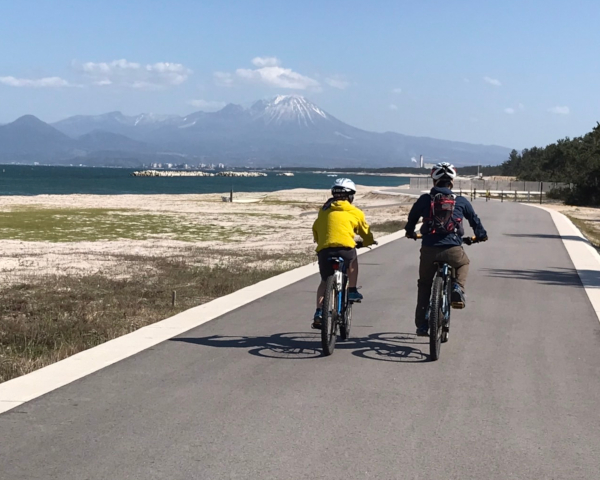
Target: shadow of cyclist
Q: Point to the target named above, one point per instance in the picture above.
(393, 347)
(389, 347)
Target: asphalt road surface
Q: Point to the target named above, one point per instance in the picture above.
(515, 394)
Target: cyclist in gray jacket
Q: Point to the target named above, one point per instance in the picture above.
(442, 240)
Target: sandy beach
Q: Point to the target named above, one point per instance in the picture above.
(109, 234)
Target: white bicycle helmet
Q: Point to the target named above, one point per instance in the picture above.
(343, 186)
(443, 170)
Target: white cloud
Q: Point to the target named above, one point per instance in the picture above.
(207, 104)
(277, 77)
(269, 73)
(492, 81)
(397, 90)
(393, 107)
(337, 82)
(512, 111)
(135, 75)
(46, 82)
(560, 110)
(266, 61)
(223, 79)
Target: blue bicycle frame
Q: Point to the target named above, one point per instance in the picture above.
(339, 265)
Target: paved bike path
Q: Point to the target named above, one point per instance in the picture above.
(514, 395)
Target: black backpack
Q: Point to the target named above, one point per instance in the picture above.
(441, 218)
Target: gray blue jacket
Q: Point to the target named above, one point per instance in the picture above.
(462, 209)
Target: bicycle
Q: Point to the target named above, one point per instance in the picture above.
(337, 308)
(438, 313)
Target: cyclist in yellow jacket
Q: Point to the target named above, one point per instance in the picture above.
(333, 231)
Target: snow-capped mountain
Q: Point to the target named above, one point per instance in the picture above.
(284, 130)
(288, 110)
(280, 111)
(113, 122)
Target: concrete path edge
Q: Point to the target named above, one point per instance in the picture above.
(27, 387)
(584, 256)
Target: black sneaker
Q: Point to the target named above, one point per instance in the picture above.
(317, 319)
(457, 297)
(354, 296)
(422, 332)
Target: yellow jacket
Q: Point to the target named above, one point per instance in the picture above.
(337, 224)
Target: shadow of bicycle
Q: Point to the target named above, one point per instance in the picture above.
(387, 347)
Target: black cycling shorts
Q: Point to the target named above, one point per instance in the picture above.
(325, 266)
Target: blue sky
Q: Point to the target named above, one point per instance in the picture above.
(510, 73)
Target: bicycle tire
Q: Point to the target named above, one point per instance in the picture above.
(328, 327)
(346, 323)
(446, 326)
(436, 318)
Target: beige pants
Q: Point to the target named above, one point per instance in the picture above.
(453, 256)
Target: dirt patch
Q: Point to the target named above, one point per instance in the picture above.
(81, 235)
(587, 219)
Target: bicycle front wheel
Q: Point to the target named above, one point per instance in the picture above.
(436, 318)
(329, 324)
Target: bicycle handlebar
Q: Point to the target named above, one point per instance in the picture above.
(360, 245)
(466, 240)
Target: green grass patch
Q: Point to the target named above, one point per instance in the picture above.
(96, 224)
(391, 226)
(588, 230)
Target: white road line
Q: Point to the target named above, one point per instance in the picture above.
(584, 256)
(35, 384)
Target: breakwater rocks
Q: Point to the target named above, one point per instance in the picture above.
(241, 174)
(167, 173)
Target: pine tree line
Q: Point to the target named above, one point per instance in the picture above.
(575, 161)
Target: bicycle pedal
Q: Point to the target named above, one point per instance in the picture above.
(458, 305)
(354, 301)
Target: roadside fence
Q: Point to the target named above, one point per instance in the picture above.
(505, 190)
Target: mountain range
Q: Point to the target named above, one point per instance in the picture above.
(287, 130)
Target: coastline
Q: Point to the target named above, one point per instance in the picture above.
(19, 180)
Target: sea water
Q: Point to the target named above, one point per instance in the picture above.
(38, 180)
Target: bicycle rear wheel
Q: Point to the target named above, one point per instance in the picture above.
(329, 324)
(346, 323)
(436, 318)
(446, 312)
